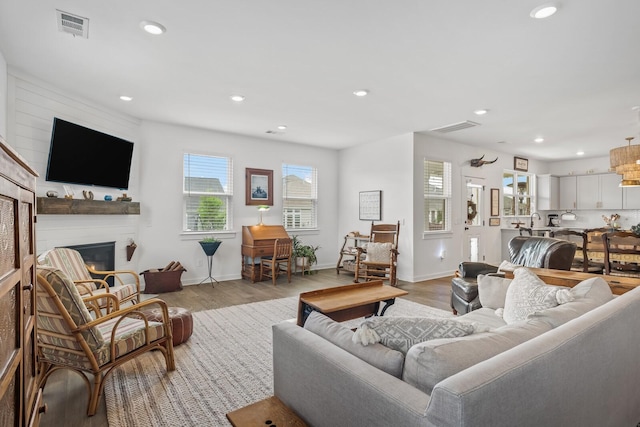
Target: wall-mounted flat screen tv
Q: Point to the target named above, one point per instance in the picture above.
(79, 155)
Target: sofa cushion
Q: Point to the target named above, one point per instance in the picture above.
(585, 296)
(527, 294)
(383, 358)
(484, 316)
(428, 363)
(492, 290)
(401, 333)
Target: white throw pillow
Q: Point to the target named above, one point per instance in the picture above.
(401, 333)
(528, 294)
(492, 290)
(379, 252)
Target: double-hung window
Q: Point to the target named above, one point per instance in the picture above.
(437, 195)
(207, 190)
(299, 197)
(518, 192)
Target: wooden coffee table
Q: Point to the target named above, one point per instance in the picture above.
(348, 302)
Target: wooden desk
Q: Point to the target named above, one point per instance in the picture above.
(619, 285)
(267, 412)
(258, 241)
(348, 302)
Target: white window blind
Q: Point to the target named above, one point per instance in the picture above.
(299, 197)
(207, 190)
(437, 195)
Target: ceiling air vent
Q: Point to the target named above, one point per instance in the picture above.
(455, 127)
(73, 24)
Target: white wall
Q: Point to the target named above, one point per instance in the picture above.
(160, 238)
(380, 165)
(3, 96)
(32, 105)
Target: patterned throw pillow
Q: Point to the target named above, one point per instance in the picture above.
(379, 252)
(528, 294)
(401, 333)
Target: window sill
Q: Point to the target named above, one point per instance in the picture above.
(199, 235)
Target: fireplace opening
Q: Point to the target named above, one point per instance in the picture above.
(100, 256)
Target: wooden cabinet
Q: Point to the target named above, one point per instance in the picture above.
(547, 193)
(598, 191)
(20, 396)
(568, 192)
(349, 253)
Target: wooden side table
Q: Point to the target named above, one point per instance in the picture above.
(268, 412)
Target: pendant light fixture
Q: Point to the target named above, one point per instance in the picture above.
(626, 162)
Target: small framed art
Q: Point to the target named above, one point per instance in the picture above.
(521, 164)
(370, 205)
(493, 222)
(495, 202)
(259, 187)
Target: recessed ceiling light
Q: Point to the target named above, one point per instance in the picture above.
(237, 98)
(539, 139)
(153, 27)
(580, 153)
(126, 98)
(481, 112)
(544, 11)
(361, 92)
(282, 127)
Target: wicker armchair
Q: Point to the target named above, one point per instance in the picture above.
(71, 263)
(69, 338)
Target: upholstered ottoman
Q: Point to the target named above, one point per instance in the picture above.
(181, 321)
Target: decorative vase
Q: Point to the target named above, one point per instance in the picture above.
(210, 248)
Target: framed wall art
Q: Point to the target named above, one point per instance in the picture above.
(495, 202)
(259, 187)
(370, 205)
(520, 164)
(494, 222)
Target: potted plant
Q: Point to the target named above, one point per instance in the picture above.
(304, 255)
(210, 245)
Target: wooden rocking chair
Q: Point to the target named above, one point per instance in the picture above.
(378, 259)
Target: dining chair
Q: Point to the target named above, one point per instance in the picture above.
(621, 253)
(581, 261)
(272, 266)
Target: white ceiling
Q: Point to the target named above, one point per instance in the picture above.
(572, 78)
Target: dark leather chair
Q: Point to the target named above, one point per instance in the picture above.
(536, 252)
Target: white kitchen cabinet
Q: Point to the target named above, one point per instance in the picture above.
(598, 191)
(631, 198)
(568, 192)
(547, 193)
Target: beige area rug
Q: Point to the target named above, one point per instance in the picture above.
(225, 365)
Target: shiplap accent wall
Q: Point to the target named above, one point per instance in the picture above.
(32, 105)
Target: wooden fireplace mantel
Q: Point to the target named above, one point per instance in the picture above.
(61, 206)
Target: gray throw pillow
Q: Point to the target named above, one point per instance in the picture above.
(492, 290)
(401, 333)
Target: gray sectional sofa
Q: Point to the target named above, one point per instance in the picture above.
(576, 364)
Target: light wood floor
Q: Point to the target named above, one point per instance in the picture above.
(66, 394)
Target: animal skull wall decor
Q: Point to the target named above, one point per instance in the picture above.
(476, 163)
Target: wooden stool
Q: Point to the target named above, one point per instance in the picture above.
(181, 322)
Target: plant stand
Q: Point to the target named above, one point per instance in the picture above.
(210, 278)
(209, 249)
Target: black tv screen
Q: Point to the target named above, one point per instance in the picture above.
(79, 155)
